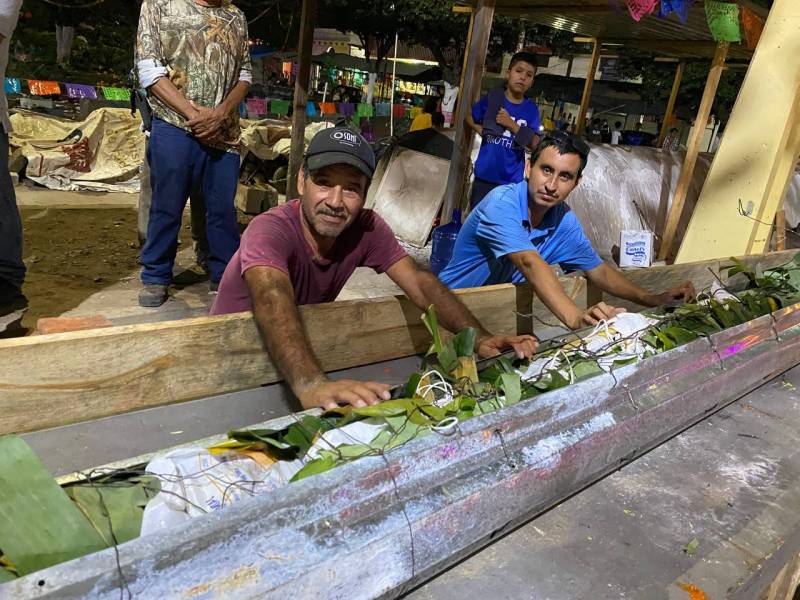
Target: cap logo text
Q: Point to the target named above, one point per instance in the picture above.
(346, 137)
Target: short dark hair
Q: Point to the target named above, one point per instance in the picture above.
(527, 57)
(437, 119)
(565, 144)
(430, 105)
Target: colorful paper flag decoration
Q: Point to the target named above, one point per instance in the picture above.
(327, 108)
(12, 85)
(43, 88)
(383, 109)
(399, 111)
(753, 27)
(257, 106)
(117, 93)
(679, 7)
(311, 109)
(77, 90)
(364, 110)
(723, 21)
(347, 109)
(640, 8)
(279, 107)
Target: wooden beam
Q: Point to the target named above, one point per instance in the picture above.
(462, 145)
(587, 88)
(464, 63)
(53, 380)
(756, 159)
(301, 84)
(673, 97)
(780, 230)
(692, 151)
(463, 10)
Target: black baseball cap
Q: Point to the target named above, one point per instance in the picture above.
(339, 145)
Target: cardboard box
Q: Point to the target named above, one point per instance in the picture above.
(253, 200)
(636, 248)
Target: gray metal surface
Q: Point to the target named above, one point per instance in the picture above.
(732, 482)
(102, 441)
(379, 525)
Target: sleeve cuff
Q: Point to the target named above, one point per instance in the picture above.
(150, 70)
(246, 76)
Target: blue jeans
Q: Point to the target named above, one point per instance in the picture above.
(178, 164)
(12, 269)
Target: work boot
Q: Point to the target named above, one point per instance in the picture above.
(153, 295)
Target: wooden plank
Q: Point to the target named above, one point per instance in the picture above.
(65, 378)
(673, 98)
(692, 151)
(462, 144)
(468, 45)
(587, 88)
(701, 274)
(301, 95)
(53, 380)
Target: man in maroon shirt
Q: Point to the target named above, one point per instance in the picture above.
(304, 251)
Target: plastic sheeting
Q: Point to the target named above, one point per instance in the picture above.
(627, 187)
(101, 153)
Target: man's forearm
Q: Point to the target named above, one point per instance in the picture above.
(615, 283)
(168, 93)
(547, 287)
(279, 323)
(451, 312)
(235, 97)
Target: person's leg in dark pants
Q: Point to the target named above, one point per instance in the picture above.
(175, 159)
(198, 220)
(480, 187)
(12, 269)
(220, 176)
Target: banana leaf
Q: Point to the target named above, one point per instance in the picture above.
(314, 467)
(39, 525)
(510, 384)
(6, 575)
(116, 506)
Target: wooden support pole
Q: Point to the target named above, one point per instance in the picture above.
(476, 60)
(756, 159)
(301, 95)
(673, 97)
(587, 88)
(464, 64)
(693, 150)
(780, 230)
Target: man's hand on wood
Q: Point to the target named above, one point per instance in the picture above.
(523, 345)
(684, 292)
(594, 314)
(328, 394)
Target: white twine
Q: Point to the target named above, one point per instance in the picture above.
(441, 385)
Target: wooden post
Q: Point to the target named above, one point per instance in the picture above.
(673, 97)
(301, 95)
(464, 63)
(780, 230)
(580, 126)
(476, 59)
(693, 150)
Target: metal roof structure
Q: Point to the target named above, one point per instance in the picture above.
(609, 21)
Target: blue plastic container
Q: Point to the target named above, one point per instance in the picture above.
(442, 242)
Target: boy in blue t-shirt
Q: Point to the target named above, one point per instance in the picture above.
(508, 124)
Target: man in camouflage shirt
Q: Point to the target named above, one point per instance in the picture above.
(193, 58)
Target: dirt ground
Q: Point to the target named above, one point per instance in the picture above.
(73, 253)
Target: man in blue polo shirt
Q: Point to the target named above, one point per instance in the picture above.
(520, 229)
